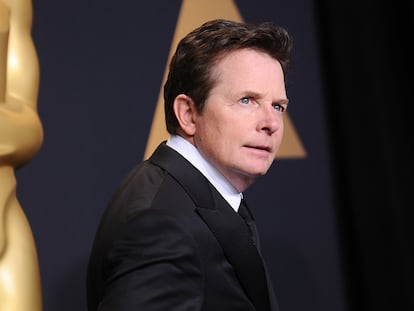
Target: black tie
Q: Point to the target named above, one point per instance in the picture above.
(245, 213)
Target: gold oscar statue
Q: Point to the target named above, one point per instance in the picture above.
(21, 136)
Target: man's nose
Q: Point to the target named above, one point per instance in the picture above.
(270, 119)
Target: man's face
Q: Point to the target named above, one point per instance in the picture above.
(240, 128)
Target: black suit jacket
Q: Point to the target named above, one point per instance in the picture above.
(169, 241)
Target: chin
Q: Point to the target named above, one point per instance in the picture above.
(259, 171)
(255, 174)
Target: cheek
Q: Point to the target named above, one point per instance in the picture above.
(214, 141)
(216, 132)
(207, 137)
(213, 129)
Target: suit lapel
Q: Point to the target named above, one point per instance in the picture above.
(227, 226)
(232, 234)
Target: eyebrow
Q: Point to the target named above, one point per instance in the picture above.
(283, 101)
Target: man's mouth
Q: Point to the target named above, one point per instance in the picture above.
(262, 148)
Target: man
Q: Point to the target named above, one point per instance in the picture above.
(171, 237)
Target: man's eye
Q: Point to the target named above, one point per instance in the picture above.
(245, 100)
(278, 107)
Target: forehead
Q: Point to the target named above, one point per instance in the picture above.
(248, 68)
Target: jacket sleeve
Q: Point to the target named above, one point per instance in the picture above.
(153, 265)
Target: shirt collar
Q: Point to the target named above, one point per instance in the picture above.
(191, 153)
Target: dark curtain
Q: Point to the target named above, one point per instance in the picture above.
(367, 58)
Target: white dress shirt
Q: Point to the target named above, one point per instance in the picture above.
(191, 153)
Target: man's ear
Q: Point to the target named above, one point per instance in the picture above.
(184, 109)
